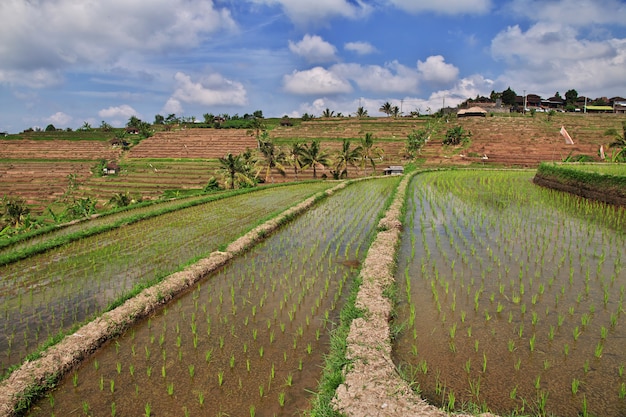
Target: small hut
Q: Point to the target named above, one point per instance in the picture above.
(111, 169)
(394, 170)
(472, 111)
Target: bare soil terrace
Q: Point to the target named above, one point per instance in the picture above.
(37, 168)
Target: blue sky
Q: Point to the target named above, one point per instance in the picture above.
(67, 62)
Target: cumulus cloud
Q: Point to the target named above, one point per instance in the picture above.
(361, 48)
(172, 106)
(319, 11)
(116, 112)
(574, 12)
(317, 80)
(449, 7)
(562, 59)
(213, 89)
(59, 119)
(391, 78)
(41, 37)
(436, 70)
(314, 49)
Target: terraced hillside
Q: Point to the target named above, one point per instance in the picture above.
(37, 166)
(527, 141)
(194, 143)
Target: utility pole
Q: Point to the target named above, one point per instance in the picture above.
(524, 111)
(401, 104)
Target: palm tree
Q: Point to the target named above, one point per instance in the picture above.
(369, 152)
(386, 108)
(328, 113)
(619, 141)
(314, 156)
(346, 157)
(235, 169)
(395, 111)
(294, 156)
(361, 112)
(272, 157)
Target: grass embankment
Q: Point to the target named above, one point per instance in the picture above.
(583, 182)
(40, 240)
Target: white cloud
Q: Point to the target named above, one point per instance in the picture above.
(305, 12)
(361, 48)
(392, 78)
(572, 12)
(550, 57)
(41, 37)
(210, 90)
(124, 111)
(436, 70)
(316, 81)
(450, 7)
(314, 49)
(172, 106)
(59, 119)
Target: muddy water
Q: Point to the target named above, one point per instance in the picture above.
(248, 340)
(515, 298)
(50, 292)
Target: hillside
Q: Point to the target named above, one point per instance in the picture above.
(38, 166)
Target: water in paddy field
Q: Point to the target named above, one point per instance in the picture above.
(512, 296)
(51, 292)
(248, 340)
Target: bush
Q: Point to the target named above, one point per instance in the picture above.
(456, 136)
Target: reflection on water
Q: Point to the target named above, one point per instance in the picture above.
(512, 300)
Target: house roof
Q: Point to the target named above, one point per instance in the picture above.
(472, 111)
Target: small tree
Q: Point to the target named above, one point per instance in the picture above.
(508, 97)
(415, 141)
(51, 128)
(15, 211)
(456, 136)
(361, 112)
(619, 142)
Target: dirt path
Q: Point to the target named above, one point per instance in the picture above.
(372, 386)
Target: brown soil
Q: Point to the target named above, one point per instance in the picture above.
(615, 197)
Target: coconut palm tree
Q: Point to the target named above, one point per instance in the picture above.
(294, 157)
(271, 157)
(618, 142)
(346, 157)
(386, 108)
(235, 170)
(361, 112)
(369, 152)
(328, 113)
(314, 157)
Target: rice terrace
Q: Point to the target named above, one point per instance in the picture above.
(268, 267)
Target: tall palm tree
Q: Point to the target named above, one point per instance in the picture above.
(618, 142)
(386, 108)
(294, 157)
(271, 157)
(346, 157)
(369, 152)
(235, 170)
(361, 112)
(314, 157)
(395, 111)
